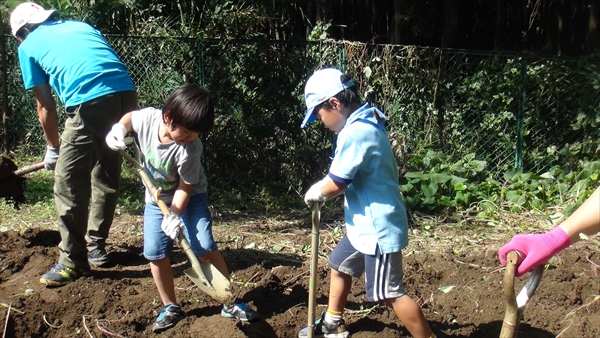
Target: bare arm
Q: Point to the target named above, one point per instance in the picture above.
(47, 114)
(586, 219)
(181, 197)
(126, 121)
(333, 188)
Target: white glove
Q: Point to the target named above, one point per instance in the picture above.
(51, 157)
(171, 225)
(314, 195)
(116, 137)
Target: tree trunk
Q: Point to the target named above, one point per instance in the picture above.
(501, 33)
(449, 35)
(592, 33)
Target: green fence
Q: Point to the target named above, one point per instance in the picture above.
(511, 110)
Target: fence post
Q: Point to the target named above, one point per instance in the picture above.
(201, 78)
(520, 114)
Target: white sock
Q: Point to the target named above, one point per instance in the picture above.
(331, 318)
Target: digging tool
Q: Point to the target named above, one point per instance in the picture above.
(314, 264)
(204, 275)
(29, 169)
(516, 305)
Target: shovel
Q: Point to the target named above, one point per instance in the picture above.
(314, 265)
(204, 275)
(516, 305)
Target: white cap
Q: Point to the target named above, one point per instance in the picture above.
(322, 85)
(28, 12)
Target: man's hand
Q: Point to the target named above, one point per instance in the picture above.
(171, 225)
(314, 195)
(51, 157)
(538, 249)
(116, 137)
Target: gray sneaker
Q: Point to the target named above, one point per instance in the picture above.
(98, 257)
(168, 317)
(239, 310)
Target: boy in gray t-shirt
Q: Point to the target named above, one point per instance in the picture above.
(172, 156)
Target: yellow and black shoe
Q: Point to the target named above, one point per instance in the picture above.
(60, 275)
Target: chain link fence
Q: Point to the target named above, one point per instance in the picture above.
(511, 110)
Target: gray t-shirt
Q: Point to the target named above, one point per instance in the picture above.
(167, 163)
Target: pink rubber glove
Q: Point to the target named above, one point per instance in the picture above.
(538, 249)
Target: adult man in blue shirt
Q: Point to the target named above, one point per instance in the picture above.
(74, 60)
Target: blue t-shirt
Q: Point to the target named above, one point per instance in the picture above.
(375, 214)
(75, 59)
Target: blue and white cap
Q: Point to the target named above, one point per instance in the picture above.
(322, 85)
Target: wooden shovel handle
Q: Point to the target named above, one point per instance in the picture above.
(314, 264)
(515, 305)
(28, 169)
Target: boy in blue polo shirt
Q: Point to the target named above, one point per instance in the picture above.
(364, 170)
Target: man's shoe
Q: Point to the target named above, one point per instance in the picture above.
(98, 257)
(60, 275)
(168, 317)
(239, 310)
(324, 329)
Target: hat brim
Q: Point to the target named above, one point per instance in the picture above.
(308, 117)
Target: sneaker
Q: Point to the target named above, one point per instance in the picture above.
(168, 317)
(98, 257)
(60, 275)
(324, 329)
(239, 310)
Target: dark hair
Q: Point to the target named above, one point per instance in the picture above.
(191, 107)
(24, 31)
(347, 96)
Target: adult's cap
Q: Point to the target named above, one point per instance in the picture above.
(28, 12)
(322, 85)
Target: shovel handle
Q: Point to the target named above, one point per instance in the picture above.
(515, 305)
(28, 169)
(314, 255)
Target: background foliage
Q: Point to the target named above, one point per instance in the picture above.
(471, 129)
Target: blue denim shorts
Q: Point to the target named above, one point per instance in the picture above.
(198, 229)
(383, 272)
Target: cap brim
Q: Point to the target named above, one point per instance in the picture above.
(308, 118)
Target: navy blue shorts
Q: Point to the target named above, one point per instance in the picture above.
(383, 272)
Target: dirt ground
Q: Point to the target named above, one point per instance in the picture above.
(269, 259)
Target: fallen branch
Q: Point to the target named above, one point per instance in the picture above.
(6, 321)
(362, 313)
(52, 326)
(12, 308)
(293, 279)
(572, 313)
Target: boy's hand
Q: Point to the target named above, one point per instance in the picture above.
(171, 225)
(314, 195)
(116, 137)
(538, 249)
(51, 157)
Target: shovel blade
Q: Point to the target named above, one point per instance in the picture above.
(215, 285)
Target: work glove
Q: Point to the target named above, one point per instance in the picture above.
(171, 225)
(538, 249)
(314, 195)
(51, 157)
(116, 137)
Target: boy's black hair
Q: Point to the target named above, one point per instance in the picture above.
(191, 107)
(24, 31)
(347, 96)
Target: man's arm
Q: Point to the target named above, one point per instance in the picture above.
(47, 114)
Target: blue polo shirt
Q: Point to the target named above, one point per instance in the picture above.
(75, 59)
(374, 211)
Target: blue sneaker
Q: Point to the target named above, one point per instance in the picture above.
(326, 330)
(60, 275)
(239, 310)
(168, 317)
